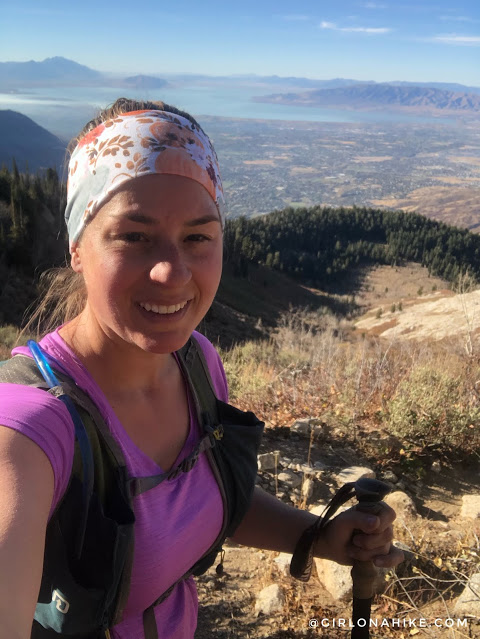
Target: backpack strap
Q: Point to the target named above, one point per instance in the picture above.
(195, 368)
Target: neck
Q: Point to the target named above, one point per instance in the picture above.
(117, 366)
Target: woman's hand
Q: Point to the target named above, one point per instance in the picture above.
(354, 535)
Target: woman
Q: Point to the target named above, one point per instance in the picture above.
(145, 217)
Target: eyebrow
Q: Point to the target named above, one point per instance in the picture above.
(205, 219)
(141, 218)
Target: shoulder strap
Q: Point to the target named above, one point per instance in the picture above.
(21, 370)
(195, 367)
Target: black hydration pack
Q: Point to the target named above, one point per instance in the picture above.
(90, 536)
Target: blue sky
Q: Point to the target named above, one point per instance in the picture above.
(423, 40)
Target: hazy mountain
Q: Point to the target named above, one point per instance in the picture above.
(50, 72)
(143, 82)
(59, 71)
(293, 81)
(381, 96)
(30, 144)
(306, 83)
(447, 86)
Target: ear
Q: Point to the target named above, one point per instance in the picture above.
(75, 258)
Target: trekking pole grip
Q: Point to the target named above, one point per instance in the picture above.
(369, 493)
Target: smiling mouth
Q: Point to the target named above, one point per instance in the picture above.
(163, 310)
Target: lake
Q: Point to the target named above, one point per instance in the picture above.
(65, 110)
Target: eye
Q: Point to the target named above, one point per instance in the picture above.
(133, 237)
(198, 237)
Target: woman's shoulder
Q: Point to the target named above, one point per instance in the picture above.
(44, 419)
(215, 366)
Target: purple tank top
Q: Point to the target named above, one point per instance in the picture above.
(176, 522)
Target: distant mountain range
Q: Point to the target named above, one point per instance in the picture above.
(382, 96)
(144, 82)
(59, 71)
(50, 72)
(31, 145)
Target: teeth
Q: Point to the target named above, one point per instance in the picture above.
(162, 310)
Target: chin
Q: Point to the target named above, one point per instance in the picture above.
(162, 344)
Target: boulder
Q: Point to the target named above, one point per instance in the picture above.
(401, 503)
(269, 600)
(335, 578)
(353, 473)
(282, 562)
(470, 506)
(290, 478)
(305, 427)
(267, 461)
(469, 601)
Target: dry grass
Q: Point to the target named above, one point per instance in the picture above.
(309, 369)
(455, 205)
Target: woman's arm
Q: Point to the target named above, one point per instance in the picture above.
(272, 525)
(26, 493)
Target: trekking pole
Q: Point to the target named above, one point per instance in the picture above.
(369, 493)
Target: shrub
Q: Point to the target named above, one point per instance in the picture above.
(8, 335)
(432, 408)
(249, 370)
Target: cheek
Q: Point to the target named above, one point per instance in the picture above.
(103, 278)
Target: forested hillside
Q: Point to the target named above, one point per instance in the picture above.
(321, 244)
(317, 246)
(31, 235)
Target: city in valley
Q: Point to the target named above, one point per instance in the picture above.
(430, 167)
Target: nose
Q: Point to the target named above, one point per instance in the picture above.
(170, 267)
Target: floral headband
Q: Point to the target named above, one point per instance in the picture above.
(132, 145)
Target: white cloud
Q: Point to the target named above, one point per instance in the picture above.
(368, 30)
(328, 25)
(374, 5)
(459, 40)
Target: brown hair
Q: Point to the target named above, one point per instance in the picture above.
(63, 295)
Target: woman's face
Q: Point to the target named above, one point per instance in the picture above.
(151, 259)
